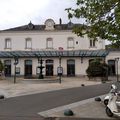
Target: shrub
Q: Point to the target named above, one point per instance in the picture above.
(97, 68)
(1, 66)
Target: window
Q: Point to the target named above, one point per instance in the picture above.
(111, 68)
(8, 43)
(92, 43)
(70, 43)
(90, 61)
(49, 43)
(76, 42)
(28, 44)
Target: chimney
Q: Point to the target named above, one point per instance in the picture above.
(60, 21)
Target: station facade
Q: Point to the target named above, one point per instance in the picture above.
(56, 45)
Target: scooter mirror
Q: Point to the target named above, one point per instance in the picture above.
(113, 87)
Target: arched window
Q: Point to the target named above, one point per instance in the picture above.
(7, 43)
(90, 60)
(49, 61)
(7, 69)
(49, 67)
(71, 67)
(111, 69)
(70, 43)
(49, 43)
(28, 68)
(28, 43)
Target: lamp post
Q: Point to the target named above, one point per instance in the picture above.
(40, 61)
(15, 63)
(116, 61)
(60, 70)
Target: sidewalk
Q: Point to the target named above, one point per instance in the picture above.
(24, 87)
(84, 110)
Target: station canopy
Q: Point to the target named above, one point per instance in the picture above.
(53, 53)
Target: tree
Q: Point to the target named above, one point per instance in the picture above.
(113, 45)
(102, 19)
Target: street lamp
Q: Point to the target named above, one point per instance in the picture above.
(116, 61)
(40, 61)
(15, 63)
(60, 70)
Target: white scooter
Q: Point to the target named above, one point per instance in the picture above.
(112, 107)
(106, 99)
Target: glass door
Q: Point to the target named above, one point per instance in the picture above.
(28, 68)
(71, 68)
(49, 67)
(7, 70)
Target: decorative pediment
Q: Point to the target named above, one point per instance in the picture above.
(49, 24)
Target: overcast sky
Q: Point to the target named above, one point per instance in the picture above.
(15, 13)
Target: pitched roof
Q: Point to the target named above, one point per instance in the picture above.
(32, 27)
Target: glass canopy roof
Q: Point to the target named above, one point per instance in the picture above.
(52, 53)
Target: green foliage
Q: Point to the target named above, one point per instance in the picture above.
(113, 45)
(1, 66)
(102, 18)
(97, 68)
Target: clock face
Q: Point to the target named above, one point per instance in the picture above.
(49, 23)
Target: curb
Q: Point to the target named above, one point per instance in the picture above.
(47, 113)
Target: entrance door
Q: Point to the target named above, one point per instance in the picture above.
(111, 69)
(49, 67)
(28, 68)
(7, 70)
(71, 68)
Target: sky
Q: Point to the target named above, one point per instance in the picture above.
(15, 13)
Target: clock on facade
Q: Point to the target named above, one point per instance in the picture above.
(49, 23)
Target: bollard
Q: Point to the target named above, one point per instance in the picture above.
(82, 85)
(98, 99)
(2, 97)
(68, 112)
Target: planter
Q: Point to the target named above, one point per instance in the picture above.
(104, 79)
(100, 79)
(2, 78)
(95, 78)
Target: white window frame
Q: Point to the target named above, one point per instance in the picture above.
(70, 43)
(92, 43)
(28, 43)
(8, 43)
(49, 43)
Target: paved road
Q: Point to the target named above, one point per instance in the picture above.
(28, 106)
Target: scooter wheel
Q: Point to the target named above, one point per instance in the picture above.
(106, 102)
(108, 112)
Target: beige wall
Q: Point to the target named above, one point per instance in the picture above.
(39, 40)
(80, 68)
(112, 55)
(39, 43)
